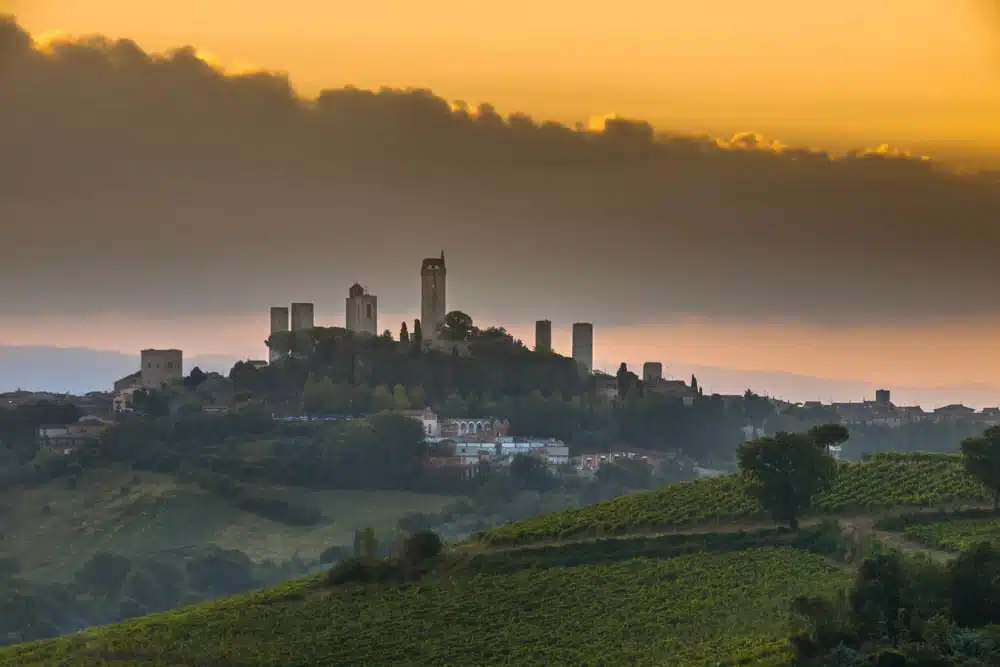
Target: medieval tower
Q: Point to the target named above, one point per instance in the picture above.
(432, 296)
(583, 346)
(362, 311)
(279, 324)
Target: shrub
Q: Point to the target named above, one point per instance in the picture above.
(420, 547)
(363, 571)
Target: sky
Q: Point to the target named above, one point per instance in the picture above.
(151, 200)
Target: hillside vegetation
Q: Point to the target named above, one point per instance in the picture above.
(596, 604)
(135, 512)
(880, 482)
(706, 595)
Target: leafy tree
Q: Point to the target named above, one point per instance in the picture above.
(151, 402)
(416, 397)
(829, 435)
(381, 399)
(104, 573)
(878, 597)
(400, 399)
(195, 379)
(784, 472)
(531, 472)
(369, 544)
(418, 334)
(981, 456)
(975, 586)
(420, 547)
(404, 334)
(457, 326)
(694, 385)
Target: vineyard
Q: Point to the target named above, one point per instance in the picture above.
(692, 610)
(881, 482)
(956, 535)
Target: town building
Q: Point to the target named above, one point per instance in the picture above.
(361, 311)
(583, 346)
(433, 297)
(159, 368)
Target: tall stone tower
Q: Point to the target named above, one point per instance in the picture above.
(652, 372)
(303, 319)
(543, 336)
(362, 311)
(583, 346)
(279, 324)
(432, 296)
(302, 316)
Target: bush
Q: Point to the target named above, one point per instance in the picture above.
(420, 547)
(363, 571)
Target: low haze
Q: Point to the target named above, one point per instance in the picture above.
(151, 200)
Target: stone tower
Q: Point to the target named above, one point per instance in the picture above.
(543, 336)
(583, 346)
(160, 367)
(432, 296)
(362, 311)
(652, 372)
(279, 324)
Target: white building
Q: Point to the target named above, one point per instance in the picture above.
(428, 420)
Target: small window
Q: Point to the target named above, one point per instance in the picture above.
(369, 311)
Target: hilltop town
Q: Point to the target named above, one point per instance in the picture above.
(460, 440)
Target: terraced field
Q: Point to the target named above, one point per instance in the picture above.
(690, 610)
(883, 482)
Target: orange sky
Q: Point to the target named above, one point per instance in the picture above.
(830, 73)
(953, 353)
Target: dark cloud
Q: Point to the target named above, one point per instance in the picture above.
(157, 184)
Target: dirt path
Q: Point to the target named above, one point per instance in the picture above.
(861, 526)
(864, 526)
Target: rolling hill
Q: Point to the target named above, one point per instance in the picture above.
(693, 577)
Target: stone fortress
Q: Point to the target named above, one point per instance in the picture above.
(361, 316)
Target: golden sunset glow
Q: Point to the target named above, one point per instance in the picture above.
(846, 74)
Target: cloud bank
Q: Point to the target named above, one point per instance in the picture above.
(156, 184)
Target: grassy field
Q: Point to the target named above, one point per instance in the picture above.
(131, 513)
(690, 610)
(881, 483)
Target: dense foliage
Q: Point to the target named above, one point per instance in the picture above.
(783, 473)
(906, 611)
(109, 587)
(881, 482)
(690, 610)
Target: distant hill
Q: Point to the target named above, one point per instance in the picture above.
(79, 370)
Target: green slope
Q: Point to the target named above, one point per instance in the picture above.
(887, 481)
(699, 609)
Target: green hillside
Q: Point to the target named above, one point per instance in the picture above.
(553, 608)
(710, 595)
(881, 482)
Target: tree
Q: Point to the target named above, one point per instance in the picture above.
(829, 435)
(457, 326)
(381, 399)
(417, 398)
(404, 334)
(418, 334)
(194, 380)
(784, 472)
(400, 399)
(694, 385)
(369, 544)
(981, 456)
(531, 472)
